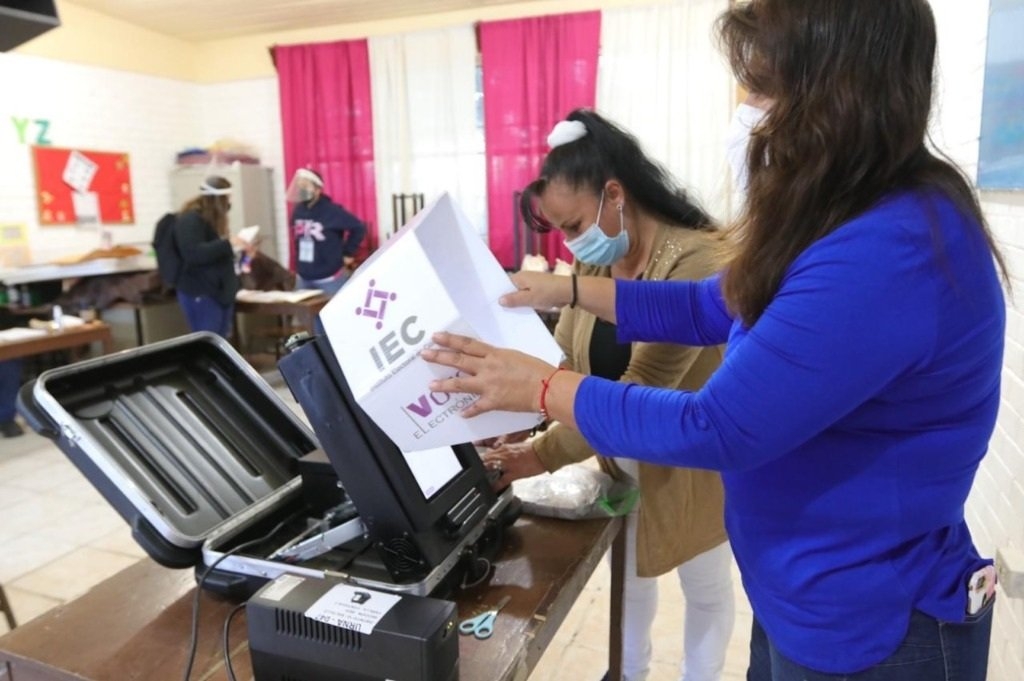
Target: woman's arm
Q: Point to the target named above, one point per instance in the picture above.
(353, 229)
(833, 337)
(546, 291)
(687, 312)
(666, 365)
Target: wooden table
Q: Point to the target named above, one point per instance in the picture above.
(305, 310)
(135, 625)
(86, 334)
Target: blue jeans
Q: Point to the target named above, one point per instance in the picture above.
(931, 651)
(10, 383)
(205, 314)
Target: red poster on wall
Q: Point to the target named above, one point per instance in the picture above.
(83, 187)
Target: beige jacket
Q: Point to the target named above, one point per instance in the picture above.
(680, 512)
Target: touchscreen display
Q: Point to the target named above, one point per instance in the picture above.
(433, 468)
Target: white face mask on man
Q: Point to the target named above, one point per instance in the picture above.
(737, 141)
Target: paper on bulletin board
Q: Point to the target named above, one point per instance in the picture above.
(434, 275)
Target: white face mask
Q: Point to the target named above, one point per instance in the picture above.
(737, 140)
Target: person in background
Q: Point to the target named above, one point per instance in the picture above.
(326, 236)
(207, 282)
(865, 320)
(10, 383)
(624, 218)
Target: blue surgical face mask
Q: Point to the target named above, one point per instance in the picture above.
(594, 247)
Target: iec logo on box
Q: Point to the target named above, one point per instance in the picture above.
(392, 347)
(376, 296)
(434, 275)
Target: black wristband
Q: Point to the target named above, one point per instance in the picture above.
(572, 303)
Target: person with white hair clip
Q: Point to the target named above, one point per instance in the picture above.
(623, 217)
(207, 283)
(326, 235)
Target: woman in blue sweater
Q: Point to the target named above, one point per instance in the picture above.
(864, 318)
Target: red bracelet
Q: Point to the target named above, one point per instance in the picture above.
(544, 385)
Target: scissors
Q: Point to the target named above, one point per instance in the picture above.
(482, 626)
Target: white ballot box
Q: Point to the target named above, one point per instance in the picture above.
(434, 275)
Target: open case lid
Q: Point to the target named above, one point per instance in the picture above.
(179, 436)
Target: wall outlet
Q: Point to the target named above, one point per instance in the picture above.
(1010, 568)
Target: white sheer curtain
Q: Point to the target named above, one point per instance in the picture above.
(425, 128)
(662, 77)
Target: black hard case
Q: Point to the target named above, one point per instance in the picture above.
(198, 454)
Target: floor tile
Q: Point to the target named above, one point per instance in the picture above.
(11, 495)
(38, 511)
(84, 526)
(580, 663)
(44, 478)
(120, 541)
(75, 573)
(78, 488)
(28, 552)
(28, 443)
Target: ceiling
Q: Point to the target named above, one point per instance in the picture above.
(201, 20)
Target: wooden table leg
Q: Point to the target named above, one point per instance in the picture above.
(615, 606)
(107, 342)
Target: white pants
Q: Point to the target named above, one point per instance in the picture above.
(706, 581)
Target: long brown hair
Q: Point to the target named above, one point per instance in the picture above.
(851, 91)
(213, 209)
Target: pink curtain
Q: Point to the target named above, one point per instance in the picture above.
(327, 123)
(535, 71)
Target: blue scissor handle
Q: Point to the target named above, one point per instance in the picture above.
(481, 626)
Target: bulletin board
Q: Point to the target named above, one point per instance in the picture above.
(76, 186)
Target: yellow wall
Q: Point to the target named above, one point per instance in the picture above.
(92, 38)
(88, 37)
(248, 56)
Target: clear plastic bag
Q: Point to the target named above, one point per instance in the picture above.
(575, 492)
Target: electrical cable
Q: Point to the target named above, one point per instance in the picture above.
(194, 636)
(227, 643)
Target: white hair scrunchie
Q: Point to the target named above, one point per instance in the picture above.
(207, 189)
(565, 132)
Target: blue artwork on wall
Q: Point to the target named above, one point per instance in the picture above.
(1001, 159)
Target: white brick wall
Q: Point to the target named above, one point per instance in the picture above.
(149, 117)
(995, 510)
(248, 111)
(91, 108)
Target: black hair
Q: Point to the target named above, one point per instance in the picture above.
(606, 152)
